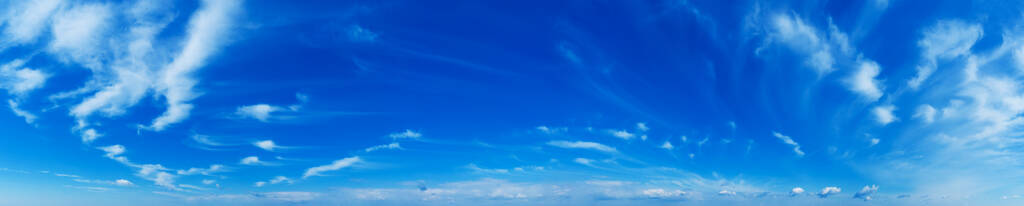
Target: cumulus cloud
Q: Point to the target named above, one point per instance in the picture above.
(883, 114)
(863, 81)
(788, 140)
(336, 165)
(642, 126)
(406, 134)
(796, 191)
(267, 145)
(925, 113)
(89, 135)
(393, 145)
(252, 160)
(581, 145)
(667, 145)
(866, 192)
(828, 191)
(945, 40)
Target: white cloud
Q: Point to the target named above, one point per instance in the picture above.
(883, 114)
(805, 39)
(583, 161)
(875, 141)
(289, 196)
(866, 192)
(77, 33)
(259, 112)
(552, 130)
(667, 145)
(726, 192)
(123, 182)
(828, 191)
(406, 134)
(18, 80)
(29, 117)
(926, 113)
(152, 172)
(336, 165)
(478, 169)
(208, 30)
(207, 182)
(267, 145)
(25, 20)
(788, 140)
(642, 126)
(796, 191)
(280, 179)
(863, 81)
(581, 145)
(252, 160)
(259, 184)
(89, 135)
(663, 194)
(204, 171)
(945, 40)
(623, 134)
(393, 145)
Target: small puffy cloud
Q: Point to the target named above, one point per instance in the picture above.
(583, 161)
(581, 145)
(406, 134)
(393, 145)
(78, 32)
(123, 182)
(113, 150)
(207, 182)
(336, 165)
(883, 114)
(259, 184)
(280, 179)
(89, 135)
(796, 191)
(828, 191)
(642, 126)
(252, 160)
(866, 192)
(925, 113)
(667, 145)
(267, 145)
(788, 140)
(875, 141)
(726, 193)
(863, 81)
(623, 134)
(259, 112)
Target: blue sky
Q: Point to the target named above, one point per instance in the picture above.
(578, 102)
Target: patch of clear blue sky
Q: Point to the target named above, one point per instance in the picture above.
(488, 102)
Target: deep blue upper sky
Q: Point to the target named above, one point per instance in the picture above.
(579, 102)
